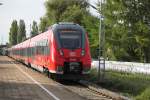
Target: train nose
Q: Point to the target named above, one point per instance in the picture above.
(72, 53)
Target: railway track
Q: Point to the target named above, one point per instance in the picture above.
(101, 91)
(91, 91)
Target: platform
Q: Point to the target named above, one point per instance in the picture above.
(18, 82)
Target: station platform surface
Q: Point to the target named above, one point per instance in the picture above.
(18, 82)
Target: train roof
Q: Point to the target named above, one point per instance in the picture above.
(66, 25)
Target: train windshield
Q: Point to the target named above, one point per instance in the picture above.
(70, 39)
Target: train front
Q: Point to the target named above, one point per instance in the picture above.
(72, 55)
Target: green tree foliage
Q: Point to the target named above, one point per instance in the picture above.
(138, 18)
(34, 30)
(145, 95)
(56, 8)
(21, 31)
(115, 30)
(91, 24)
(63, 10)
(13, 33)
(73, 14)
(44, 23)
(127, 30)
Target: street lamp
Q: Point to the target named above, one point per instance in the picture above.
(101, 54)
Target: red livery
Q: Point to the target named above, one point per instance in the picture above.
(62, 51)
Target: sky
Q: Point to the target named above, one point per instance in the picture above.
(28, 10)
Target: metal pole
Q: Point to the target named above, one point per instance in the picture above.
(104, 55)
(101, 49)
(100, 34)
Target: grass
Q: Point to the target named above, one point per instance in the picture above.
(135, 86)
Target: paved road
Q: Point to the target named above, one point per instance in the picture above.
(18, 82)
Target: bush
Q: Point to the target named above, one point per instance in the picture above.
(144, 95)
(135, 85)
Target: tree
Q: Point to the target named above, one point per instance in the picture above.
(138, 17)
(44, 23)
(13, 33)
(91, 25)
(127, 30)
(115, 30)
(73, 14)
(55, 8)
(21, 31)
(60, 10)
(34, 30)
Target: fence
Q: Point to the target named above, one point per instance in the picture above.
(131, 67)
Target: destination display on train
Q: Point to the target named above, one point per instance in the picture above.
(68, 31)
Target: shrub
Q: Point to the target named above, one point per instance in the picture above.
(144, 95)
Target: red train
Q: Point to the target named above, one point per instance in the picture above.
(62, 51)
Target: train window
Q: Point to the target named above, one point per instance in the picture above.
(21, 52)
(47, 48)
(26, 52)
(29, 51)
(37, 48)
(42, 47)
(70, 39)
(34, 50)
(31, 48)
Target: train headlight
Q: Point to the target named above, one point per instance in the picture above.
(83, 52)
(61, 52)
